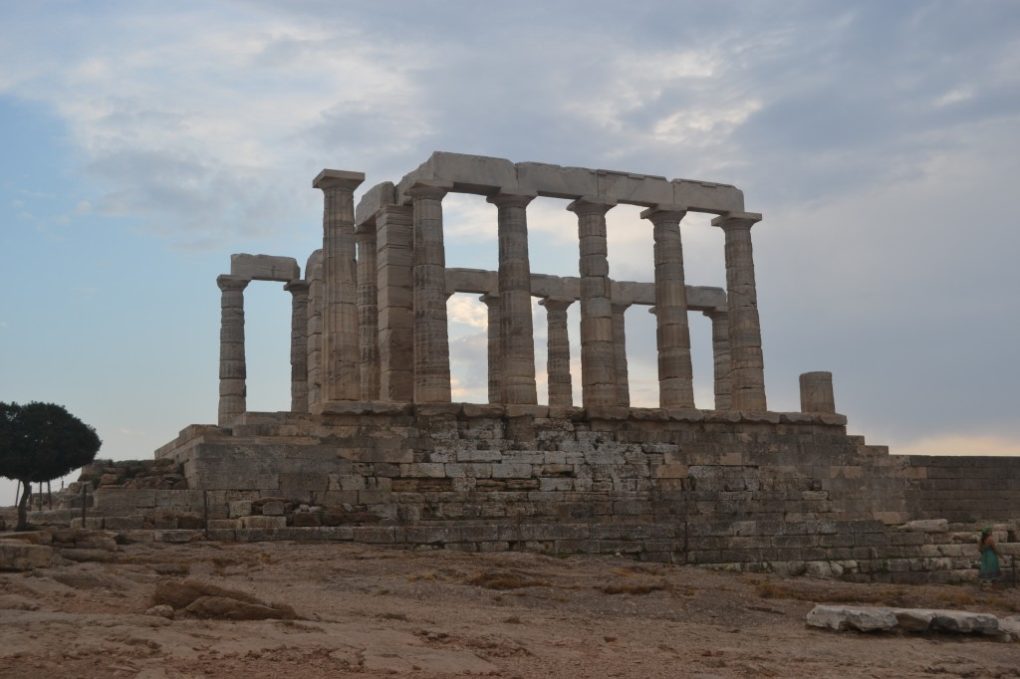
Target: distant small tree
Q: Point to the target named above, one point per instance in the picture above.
(41, 442)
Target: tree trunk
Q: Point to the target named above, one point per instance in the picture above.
(23, 508)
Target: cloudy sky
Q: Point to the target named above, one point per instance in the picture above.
(141, 143)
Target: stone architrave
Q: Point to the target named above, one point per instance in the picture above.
(720, 356)
(747, 367)
(233, 371)
(316, 295)
(368, 312)
(431, 342)
(598, 374)
(298, 345)
(340, 340)
(620, 355)
(394, 252)
(517, 339)
(495, 362)
(558, 362)
(672, 333)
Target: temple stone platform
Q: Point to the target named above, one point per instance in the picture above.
(373, 449)
(765, 491)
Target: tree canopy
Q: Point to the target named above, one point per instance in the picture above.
(41, 442)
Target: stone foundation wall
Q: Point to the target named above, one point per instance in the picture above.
(774, 491)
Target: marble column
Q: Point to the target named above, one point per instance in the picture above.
(316, 295)
(431, 342)
(495, 353)
(598, 374)
(298, 345)
(394, 247)
(620, 355)
(341, 353)
(747, 368)
(816, 393)
(672, 333)
(368, 312)
(721, 356)
(232, 366)
(517, 338)
(558, 362)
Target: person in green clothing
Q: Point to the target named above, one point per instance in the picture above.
(989, 568)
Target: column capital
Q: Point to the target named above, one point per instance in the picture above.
(489, 298)
(588, 205)
(507, 199)
(555, 304)
(619, 307)
(716, 312)
(235, 283)
(434, 190)
(338, 179)
(664, 213)
(737, 220)
(297, 287)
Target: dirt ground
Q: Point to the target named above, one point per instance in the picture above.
(367, 612)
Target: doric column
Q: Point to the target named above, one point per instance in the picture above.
(672, 333)
(298, 345)
(368, 312)
(394, 247)
(316, 297)
(620, 355)
(816, 393)
(341, 354)
(516, 331)
(558, 363)
(747, 369)
(721, 356)
(598, 374)
(492, 303)
(431, 342)
(232, 367)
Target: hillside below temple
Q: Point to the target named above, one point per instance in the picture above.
(373, 449)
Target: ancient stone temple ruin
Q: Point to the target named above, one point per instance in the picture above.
(373, 449)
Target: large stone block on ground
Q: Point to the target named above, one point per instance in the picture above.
(840, 618)
(16, 555)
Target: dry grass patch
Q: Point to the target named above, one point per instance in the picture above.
(504, 580)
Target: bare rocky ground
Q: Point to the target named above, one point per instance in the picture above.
(367, 612)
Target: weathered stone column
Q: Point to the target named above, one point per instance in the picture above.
(672, 334)
(816, 393)
(747, 371)
(431, 342)
(316, 298)
(558, 362)
(620, 355)
(341, 354)
(598, 375)
(368, 312)
(232, 366)
(516, 330)
(394, 248)
(298, 345)
(495, 361)
(721, 356)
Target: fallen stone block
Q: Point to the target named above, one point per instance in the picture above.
(914, 619)
(840, 618)
(1010, 626)
(963, 622)
(16, 555)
